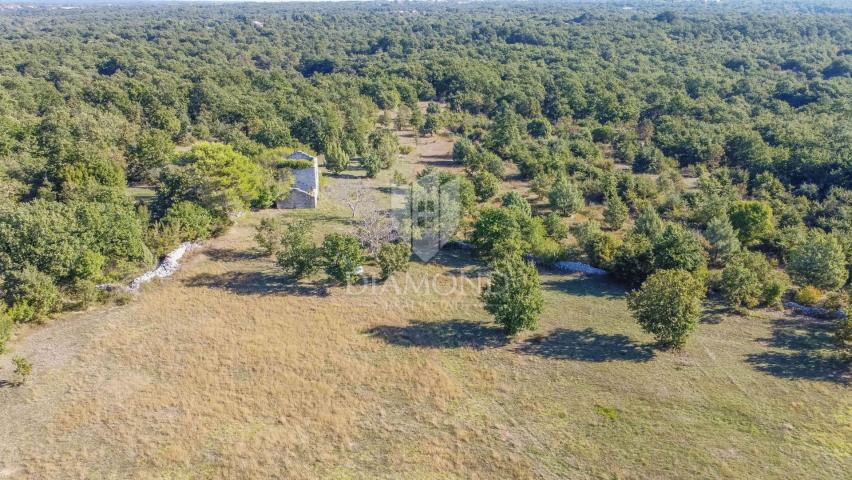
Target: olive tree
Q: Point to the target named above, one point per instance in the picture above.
(342, 256)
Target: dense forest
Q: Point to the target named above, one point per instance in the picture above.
(612, 104)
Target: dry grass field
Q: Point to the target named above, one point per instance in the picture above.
(230, 370)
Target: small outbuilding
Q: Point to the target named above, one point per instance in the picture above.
(305, 190)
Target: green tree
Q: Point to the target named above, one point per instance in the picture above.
(152, 151)
(565, 197)
(820, 262)
(268, 236)
(342, 255)
(297, 255)
(749, 280)
(216, 177)
(336, 159)
(752, 219)
(615, 213)
(393, 257)
(514, 295)
(497, 234)
(193, 222)
(723, 240)
(485, 184)
(34, 293)
(668, 305)
(516, 201)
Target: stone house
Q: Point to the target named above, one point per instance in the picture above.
(305, 190)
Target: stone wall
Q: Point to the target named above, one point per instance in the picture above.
(297, 199)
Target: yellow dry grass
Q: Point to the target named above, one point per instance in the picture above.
(229, 370)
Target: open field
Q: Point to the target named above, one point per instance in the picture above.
(230, 370)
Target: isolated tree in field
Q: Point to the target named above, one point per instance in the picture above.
(565, 197)
(393, 257)
(336, 159)
(297, 255)
(723, 240)
(616, 212)
(819, 261)
(514, 295)
(342, 255)
(752, 219)
(668, 305)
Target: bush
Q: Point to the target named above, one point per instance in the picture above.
(819, 261)
(191, 221)
(565, 197)
(668, 305)
(752, 220)
(342, 255)
(393, 257)
(485, 184)
(749, 280)
(808, 295)
(371, 163)
(556, 228)
(6, 325)
(496, 234)
(297, 256)
(723, 240)
(616, 212)
(518, 202)
(23, 369)
(268, 236)
(514, 295)
(32, 294)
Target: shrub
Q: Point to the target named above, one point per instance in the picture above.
(752, 219)
(518, 202)
(836, 301)
(496, 234)
(297, 256)
(514, 295)
(268, 236)
(723, 240)
(633, 262)
(749, 280)
(668, 305)
(84, 292)
(819, 261)
(371, 163)
(191, 221)
(565, 197)
(336, 159)
(6, 325)
(556, 228)
(808, 295)
(393, 257)
(34, 293)
(616, 212)
(342, 255)
(599, 246)
(23, 369)
(678, 248)
(485, 184)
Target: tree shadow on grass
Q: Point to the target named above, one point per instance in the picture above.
(587, 346)
(587, 286)
(258, 283)
(807, 345)
(452, 334)
(231, 255)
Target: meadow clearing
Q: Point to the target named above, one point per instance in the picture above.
(230, 370)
